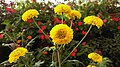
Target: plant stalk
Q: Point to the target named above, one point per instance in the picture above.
(77, 44)
(41, 30)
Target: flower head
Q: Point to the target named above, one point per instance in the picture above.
(1, 36)
(93, 20)
(62, 9)
(15, 54)
(61, 34)
(91, 66)
(31, 13)
(118, 27)
(73, 14)
(95, 57)
(116, 19)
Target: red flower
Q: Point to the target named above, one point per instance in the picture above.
(42, 8)
(105, 20)
(57, 20)
(115, 19)
(39, 22)
(73, 54)
(8, 9)
(29, 37)
(29, 20)
(83, 43)
(76, 29)
(13, 11)
(42, 37)
(43, 27)
(18, 41)
(75, 50)
(1, 36)
(99, 52)
(45, 52)
(39, 31)
(79, 23)
(118, 27)
(83, 32)
(69, 4)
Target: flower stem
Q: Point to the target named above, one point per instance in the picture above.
(62, 18)
(31, 41)
(71, 24)
(78, 44)
(58, 56)
(41, 30)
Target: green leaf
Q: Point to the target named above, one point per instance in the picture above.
(6, 22)
(104, 63)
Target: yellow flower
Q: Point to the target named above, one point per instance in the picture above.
(31, 13)
(61, 34)
(62, 9)
(93, 20)
(15, 54)
(95, 57)
(73, 14)
(91, 66)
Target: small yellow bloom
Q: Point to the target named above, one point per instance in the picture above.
(93, 20)
(15, 54)
(62, 9)
(31, 13)
(73, 14)
(91, 66)
(95, 57)
(61, 34)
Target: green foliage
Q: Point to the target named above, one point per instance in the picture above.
(104, 63)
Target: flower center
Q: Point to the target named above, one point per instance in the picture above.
(61, 34)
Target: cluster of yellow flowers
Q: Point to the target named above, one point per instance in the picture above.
(73, 14)
(31, 13)
(61, 34)
(65, 9)
(95, 57)
(93, 20)
(15, 54)
(62, 9)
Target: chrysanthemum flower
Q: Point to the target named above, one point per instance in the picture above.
(95, 57)
(61, 34)
(62, 9)
(15, 54)
(93, 20)
(31, 13)
(73, 14)
(91, 66)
